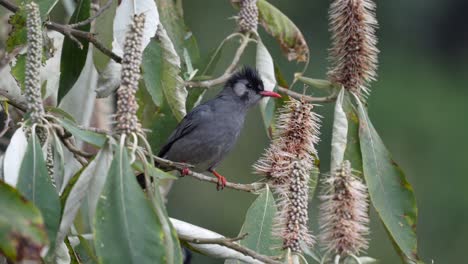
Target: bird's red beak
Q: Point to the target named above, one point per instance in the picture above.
(270, 94)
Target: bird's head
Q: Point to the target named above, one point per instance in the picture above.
(247, 86)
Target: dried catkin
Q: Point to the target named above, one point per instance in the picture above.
(353, 54)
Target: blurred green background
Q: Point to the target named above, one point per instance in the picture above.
(418, 105)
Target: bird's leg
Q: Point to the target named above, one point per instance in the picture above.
(221, 180)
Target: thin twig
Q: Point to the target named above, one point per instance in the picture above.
(228, 72)
(9, 56)
(96, 130)
(226, 242)
(6, 124)
(92, 18)
(18, 101)
(307, 98)
(70, 32)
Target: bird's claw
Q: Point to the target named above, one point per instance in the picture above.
(221, 183)
(185, 172)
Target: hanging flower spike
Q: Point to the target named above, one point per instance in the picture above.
(344, 218)
(353, 53)
(297, 131)
(248, 16)
(287, 164)
(32, 81)
(127, 106)
(291, 221)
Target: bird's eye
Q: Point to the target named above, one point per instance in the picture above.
(249, 86)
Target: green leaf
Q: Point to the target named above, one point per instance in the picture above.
(73, 58)
(22, 232)
(258, 224)
(104, 34)
(353, 148)
(96, 168)
(152, 170)
(391, 194)
(35, 184)
(127, 229)
(152, 68)
(155, 118)
(340, 133)
(163, 72)
(266, 69)
(18, 71)
(317, 83)
(289, 36)
(59, 161)
(173, 22)
(90, 137)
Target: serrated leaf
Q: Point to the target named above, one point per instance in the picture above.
(391, 194)
(289, 36)
(258, 224)
(126, 228)
(96, 168)
(340, 133)
(163, 72)
(266, 69)
(22, 231)
(104, 34)
(90, 137)
(14, 156)
(73, 58)
(36, 185)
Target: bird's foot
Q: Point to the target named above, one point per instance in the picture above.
(221, 180)
(185, 172)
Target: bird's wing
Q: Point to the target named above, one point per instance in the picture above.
(186, 126)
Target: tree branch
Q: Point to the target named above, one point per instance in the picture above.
(216, 245)
(92, 18)
(228, 72)
(252, 187)
(17, 101)
(70, 32)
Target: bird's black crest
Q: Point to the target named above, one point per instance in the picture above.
(249, 74)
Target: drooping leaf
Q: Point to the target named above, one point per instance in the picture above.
(173, 23)
(160, 119)
(258, 224)
(353, 149)
(340, 133)
(14, 156)
(36, 185)
(22, 231)
(59, 162)
(278, 25)
(126, 228)
(124, 18)
(317, 83)
(90, 137)
(163, 72)
(18, 71)
(73, 57)
(391, 194)
(96, 168)
(266, 69)
(104, 34)
(152, 170)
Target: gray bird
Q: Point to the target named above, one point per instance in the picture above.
(206, 135)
